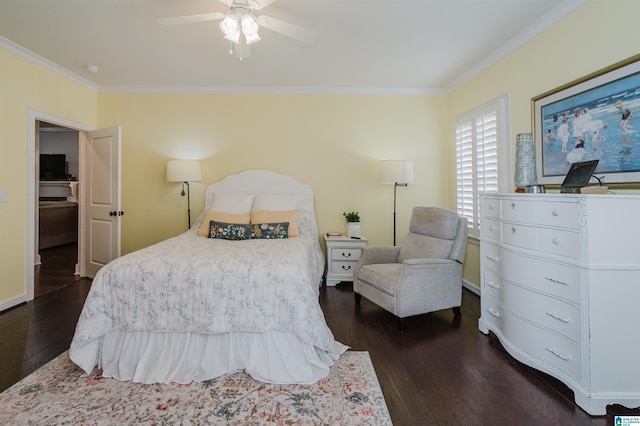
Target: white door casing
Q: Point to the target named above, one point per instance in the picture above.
(102, 195)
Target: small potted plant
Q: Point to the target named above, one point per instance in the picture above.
(354, 228)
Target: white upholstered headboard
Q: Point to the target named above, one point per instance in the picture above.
(265, 183)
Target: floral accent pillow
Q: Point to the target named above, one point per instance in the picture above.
(241, 231)
(270, 230)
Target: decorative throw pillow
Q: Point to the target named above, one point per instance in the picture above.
(269, 230)
(229, 231)
(273, 216)
(205, 226)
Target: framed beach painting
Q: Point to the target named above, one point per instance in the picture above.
(594, 118)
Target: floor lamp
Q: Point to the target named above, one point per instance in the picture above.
(398, 173)
(184, 171)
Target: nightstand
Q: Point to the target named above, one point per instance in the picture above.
(342, 255)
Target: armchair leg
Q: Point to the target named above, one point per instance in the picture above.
(456, 312)
(358, 297)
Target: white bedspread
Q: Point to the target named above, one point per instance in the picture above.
(190, 284)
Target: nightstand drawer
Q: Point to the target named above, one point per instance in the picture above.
(338, 267)
(352, 254)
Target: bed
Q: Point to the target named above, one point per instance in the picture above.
(192, 308)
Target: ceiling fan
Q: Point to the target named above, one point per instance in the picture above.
(240, 26)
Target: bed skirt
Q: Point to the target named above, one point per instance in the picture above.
(153, 357)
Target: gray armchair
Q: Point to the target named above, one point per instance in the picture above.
(424, 274)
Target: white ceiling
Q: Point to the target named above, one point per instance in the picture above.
(401, 46)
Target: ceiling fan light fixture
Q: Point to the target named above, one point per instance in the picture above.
(251, 38)
(230, 25)
(234, 37)
(249, 25)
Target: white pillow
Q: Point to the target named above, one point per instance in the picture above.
(276, 202)
(231, 203)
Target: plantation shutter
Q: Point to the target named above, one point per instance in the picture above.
(482, 158)
(464, 172)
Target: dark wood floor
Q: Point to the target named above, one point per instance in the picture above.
(56, 270)
(438, 372)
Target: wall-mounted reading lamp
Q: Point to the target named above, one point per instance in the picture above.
(184, 171)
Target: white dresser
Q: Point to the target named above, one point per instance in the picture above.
(342, 255)
(561, 289)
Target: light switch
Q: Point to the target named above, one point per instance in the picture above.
(4, 196)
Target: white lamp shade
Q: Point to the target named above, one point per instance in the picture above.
(183, 171)
(396, 171)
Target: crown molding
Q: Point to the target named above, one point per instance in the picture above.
(550, 18)
(249, 90)
(45, 63)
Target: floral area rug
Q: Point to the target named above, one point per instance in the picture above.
(59, 393)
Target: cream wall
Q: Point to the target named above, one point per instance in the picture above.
(25, 85)
(332, 142)
(598, 34)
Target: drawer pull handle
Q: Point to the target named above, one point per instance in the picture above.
(494, 312)
(346, 254)
(492, 228)
(492, 258)
(490, 206)
(555, 280)
(559, 318)
(513, 205)
(513, 229)
(555, 241)
(555, 213)
(493, 285)
(346, 267)
(558, 354)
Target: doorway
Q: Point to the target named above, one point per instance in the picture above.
(98, 196)
(57, 156)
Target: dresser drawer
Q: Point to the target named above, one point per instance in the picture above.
(563, 243)
(518, 211)
(491, 284)
(519, 235)
(490, 207)
(561, 215)
(492, 311)
(491, 229)
(553, 350)
(556, 315)
(557, 279)
(352, 254)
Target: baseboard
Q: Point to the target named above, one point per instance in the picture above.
(472, 288)
(13, 302)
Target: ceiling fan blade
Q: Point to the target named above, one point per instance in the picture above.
(303, 34)
(191, 19)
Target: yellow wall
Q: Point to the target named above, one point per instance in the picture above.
(24, 85)
(332, 142)
(598, 34)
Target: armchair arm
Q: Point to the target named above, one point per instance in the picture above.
(375, 255)
(427, 285)
(379, 254)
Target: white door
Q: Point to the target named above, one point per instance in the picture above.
(102, 194)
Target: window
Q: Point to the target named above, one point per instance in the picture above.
(483, 161)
